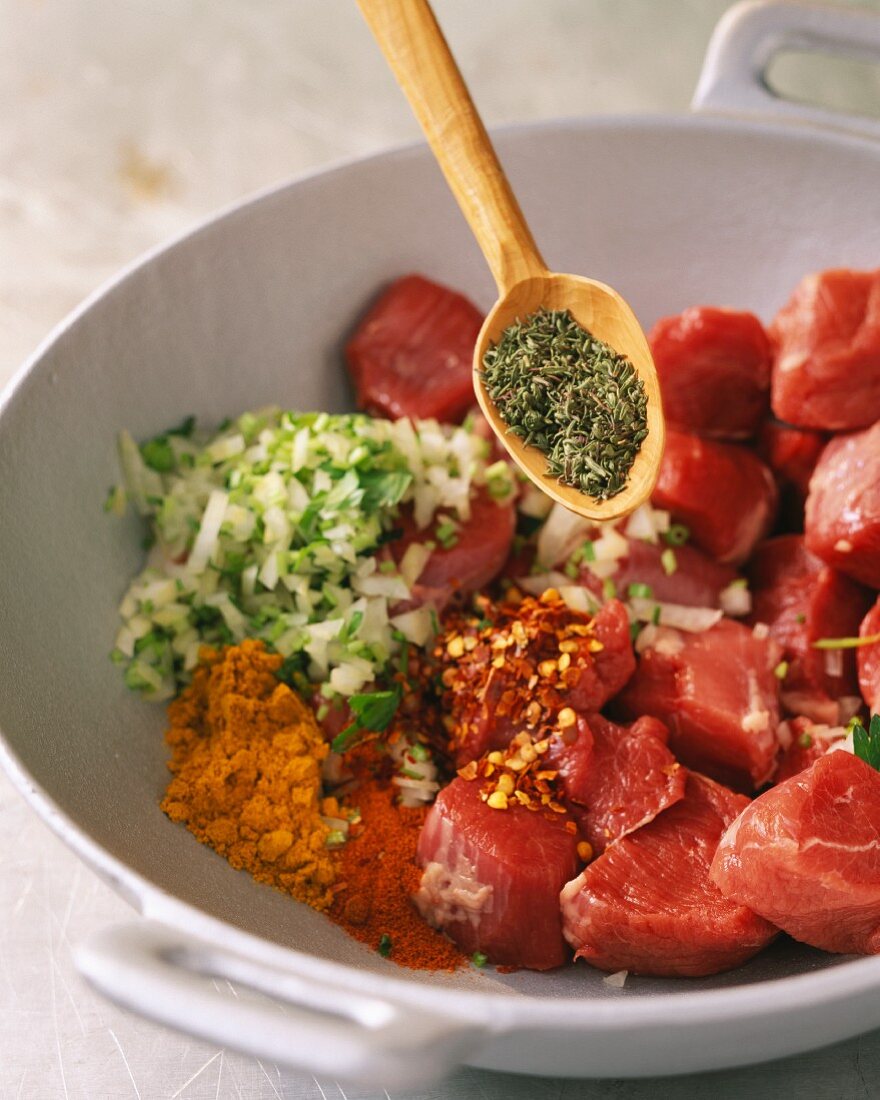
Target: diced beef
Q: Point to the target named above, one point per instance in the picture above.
(803, 600)
(511, 680)
(412, 354)
(809, 741)
(614, 779)
(868, 658)
(492, 878)
(842, 521)
(647, 905)
(717, 693)
(806, 855)
(714, 371)
(792, 454)
(723, 493)
(826, 370)
(475, 557)
(696, 580)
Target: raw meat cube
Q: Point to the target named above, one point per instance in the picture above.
(803, 600)
(717, 693)
(647, 905)
(809, 741)
(792, 454)
(412, 354)
(614, 779)
(714, 370)
(510, 680)
(842, 521)
(492, 878)
(473, 558)
(695, 581)
(826, 370)
(806, 855)
(723, 493)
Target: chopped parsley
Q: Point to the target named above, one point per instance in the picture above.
(373, 712)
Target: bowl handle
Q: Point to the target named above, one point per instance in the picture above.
(750, 34)
(172, 978)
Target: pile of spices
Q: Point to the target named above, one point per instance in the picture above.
(570, 395)
(518, 774)
(246, 758)
(378, 873)
(519, 659)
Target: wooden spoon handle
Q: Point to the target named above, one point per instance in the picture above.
(419, 57)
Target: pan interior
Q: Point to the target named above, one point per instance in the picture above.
(252, 310)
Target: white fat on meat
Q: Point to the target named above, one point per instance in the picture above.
(449, 890)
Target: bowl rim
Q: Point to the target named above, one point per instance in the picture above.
(498, 1011)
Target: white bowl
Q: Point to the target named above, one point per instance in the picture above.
(251, 309)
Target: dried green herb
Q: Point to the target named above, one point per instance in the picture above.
(570, 395)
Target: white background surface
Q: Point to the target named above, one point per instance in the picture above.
(124, 122)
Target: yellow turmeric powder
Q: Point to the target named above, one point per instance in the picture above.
(246, 759)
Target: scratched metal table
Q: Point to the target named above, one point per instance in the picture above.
(123, 124)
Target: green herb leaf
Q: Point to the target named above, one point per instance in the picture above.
(158, 455)
(479, 959)
(385, 945)
(383, 489)
(866, 742)
(373, 711)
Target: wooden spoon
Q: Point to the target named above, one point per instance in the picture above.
(416, 50)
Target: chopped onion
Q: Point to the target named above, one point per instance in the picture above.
(833, 660)
(563, 532)
(695, 620)
(735, 600)
(641, 524)
(209, 530)
(616, 980)
(848, 706)
(416, 626)
(610, 546)
(578, 598)
(761, 631)
(815, 707)
(413, 562)
(538, 583)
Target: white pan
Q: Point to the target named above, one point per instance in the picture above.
(252, 309)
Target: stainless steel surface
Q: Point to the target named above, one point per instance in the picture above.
(117, 140)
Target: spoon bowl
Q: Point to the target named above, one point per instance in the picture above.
(606, 315)
(417, 53)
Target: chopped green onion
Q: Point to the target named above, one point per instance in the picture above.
(609, 589)
(655, 615)
(335, 839)
(385, 945)
(846, 643)
(420, 752)
(479, 959)
(635, 629)
(669, 561)
(740, 582)
(805, 740)
(388, 567)
(588, 551)
(781, 670)
(676, 535)
(640, 591)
